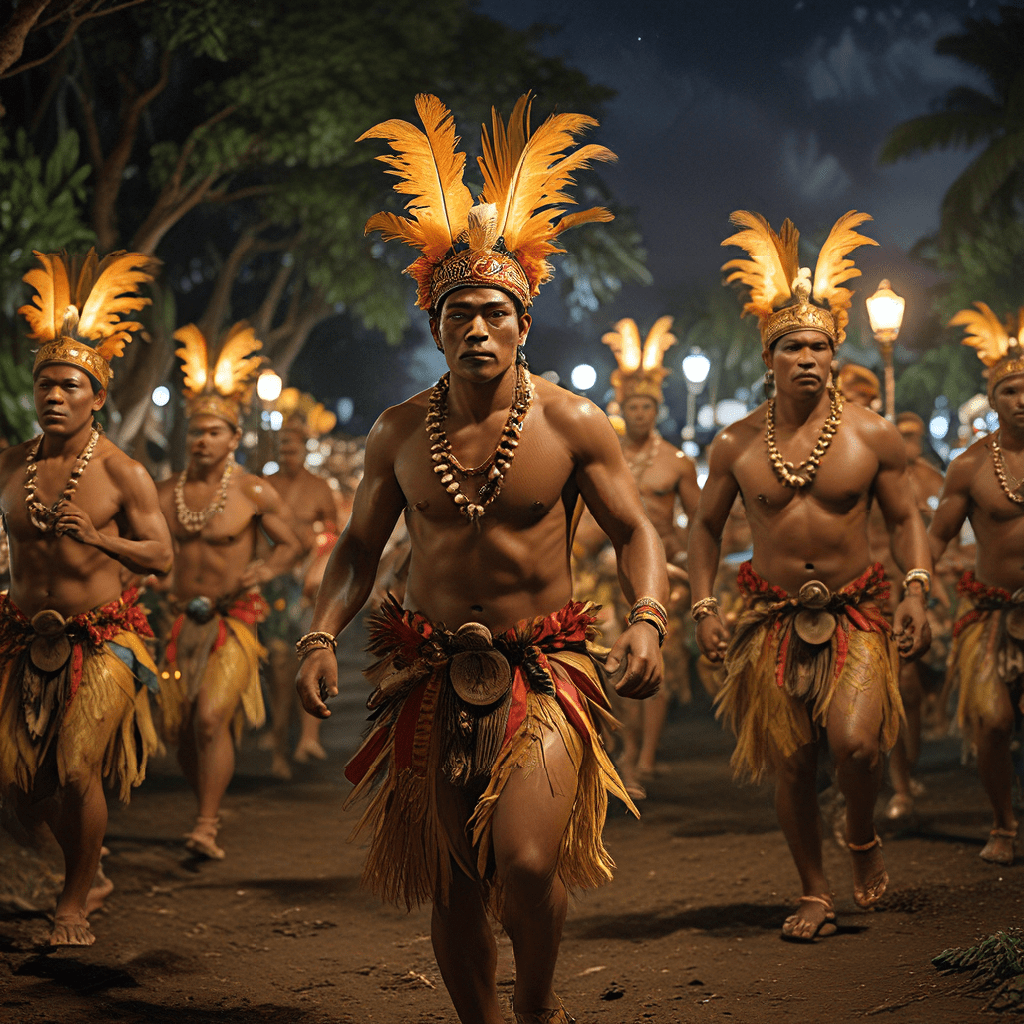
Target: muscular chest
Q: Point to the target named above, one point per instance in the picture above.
(990, 503)
(845, 475)
(224, 528)
(95, 494)
(531, 486)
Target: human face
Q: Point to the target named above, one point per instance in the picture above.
(859, 393)
(1008, 401)
(210, 440)
(801, 361)
(639, 412)
(291, 451)
(911, 439)
(64, 398)
(478, 330)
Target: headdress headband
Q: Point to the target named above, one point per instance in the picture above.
(504, 240)
(640, 370)
(999, 345)
(220, 389)
(782, 295)
(77, 309)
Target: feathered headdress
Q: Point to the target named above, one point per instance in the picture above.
(77, 309)
(504, 240)
(221, 387)
(852, 374)
(304, 414)
(640, 371)
(1000, 345)
(782, 294)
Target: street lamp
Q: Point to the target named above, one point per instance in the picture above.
(885, 311)
(268, 386)
(696, 367)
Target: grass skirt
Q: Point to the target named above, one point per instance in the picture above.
(778, 689)
(555, 688)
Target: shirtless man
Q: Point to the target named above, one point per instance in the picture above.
(663, 474)
(210, 683)
(73, 667)
(311, 507)
(987, 661)
(496, 780)
(812, 654)
(927, 483)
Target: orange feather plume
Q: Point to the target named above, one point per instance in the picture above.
(773, 265)
(984, 332)
(833, 268)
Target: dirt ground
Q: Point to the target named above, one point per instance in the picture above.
(281, 932)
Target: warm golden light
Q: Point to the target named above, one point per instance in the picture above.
(268, 386)
(885, 311)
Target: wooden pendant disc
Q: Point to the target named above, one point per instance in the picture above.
(814, 627)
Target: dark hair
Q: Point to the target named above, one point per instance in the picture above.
(93, 381)
(435, 311)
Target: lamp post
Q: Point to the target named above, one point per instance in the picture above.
(268, 388)
(696, 367)
(885, 311)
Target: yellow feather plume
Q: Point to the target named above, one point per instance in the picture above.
(833, 268)
(236, 366)
(984, 332)
(624, 341)
(430, 170)
(193, 355)
(525, 177)
(98, 292)
(659, 341)
(773, 265)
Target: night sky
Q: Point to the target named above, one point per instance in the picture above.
(775, 106)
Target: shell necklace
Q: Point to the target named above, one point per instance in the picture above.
(803, 475)
(446, 465)
(44, 518)
(195, 521)
(997, 461)
(644, 459)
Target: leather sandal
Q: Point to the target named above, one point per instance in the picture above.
(993, 858)
(867, 896)
(825, 927)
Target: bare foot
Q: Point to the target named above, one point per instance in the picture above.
(815, 915)
(265, 741)
(280, 768)
(71, 930)
(102, 887)
(901, 805)
(1001, 846)
(202, 840)
(870, 879)
(557, 1016)
(306, 749)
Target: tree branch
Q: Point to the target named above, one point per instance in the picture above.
(220, 300)
(20, 23)
(264, 317)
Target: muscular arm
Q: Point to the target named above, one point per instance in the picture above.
(705, 548)
(287, 548)
(147, 546)
(610, 492)
(352, 568)
(688, 489)
(954, 506)
(896, 495)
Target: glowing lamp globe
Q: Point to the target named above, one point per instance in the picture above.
(268, 386)
(696, 367)
(885, 311)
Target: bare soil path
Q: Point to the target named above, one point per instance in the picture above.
(281, 932)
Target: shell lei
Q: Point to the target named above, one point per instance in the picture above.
(802, 475)
(45, 518)
(446, 465)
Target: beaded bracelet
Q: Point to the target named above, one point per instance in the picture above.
(311, 641)
(923, 576)
(703, 608)
(647, 609)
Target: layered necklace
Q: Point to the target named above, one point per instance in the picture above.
(44, 517)
(195, 521)
(446, 465)
(997, 461)
(644, 458)
(804, 474)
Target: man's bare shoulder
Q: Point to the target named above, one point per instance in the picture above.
(13, 458)
(123, 470)
(257, 489)
(399, 422)
(733, 440)
(966, 466)
(572, 416)
(870, 427)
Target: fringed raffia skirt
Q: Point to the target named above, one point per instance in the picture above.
(89, 713)
(425, 736)
(220, 656)
(779, 688)
(986, 660)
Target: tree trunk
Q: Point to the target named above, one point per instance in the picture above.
(21, 22)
